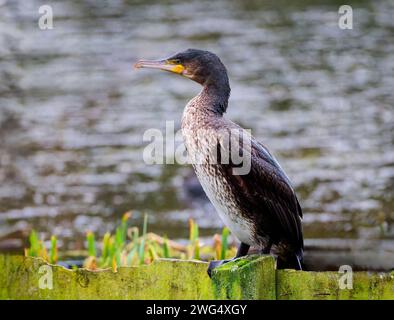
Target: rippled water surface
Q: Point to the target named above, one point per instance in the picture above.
(73, 113)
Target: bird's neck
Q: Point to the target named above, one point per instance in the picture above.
(217, 96)
(213, 98)
(208, 105)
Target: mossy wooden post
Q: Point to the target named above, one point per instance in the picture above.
(252, 277)
(295, 285)
(163, 279)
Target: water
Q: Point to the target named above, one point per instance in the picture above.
(73, 113)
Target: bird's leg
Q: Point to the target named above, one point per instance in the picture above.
(242, 251)
(267, 248)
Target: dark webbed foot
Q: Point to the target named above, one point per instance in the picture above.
(216, 263)
(242, 251)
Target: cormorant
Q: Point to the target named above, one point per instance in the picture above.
(259, 207)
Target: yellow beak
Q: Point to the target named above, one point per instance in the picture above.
(160, 64)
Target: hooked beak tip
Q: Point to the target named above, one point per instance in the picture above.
(153, 64)
(138, 65)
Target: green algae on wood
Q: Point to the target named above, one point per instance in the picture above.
(252, 277)
(296, 285)
(163, 279)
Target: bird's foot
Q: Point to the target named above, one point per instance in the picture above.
(242, 251)
(214, 264)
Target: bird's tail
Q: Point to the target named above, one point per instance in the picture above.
(291, 261)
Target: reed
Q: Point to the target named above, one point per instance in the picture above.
(130, 247)
(53, 250)
(91, 241)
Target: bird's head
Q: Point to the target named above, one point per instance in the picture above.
(201, 66)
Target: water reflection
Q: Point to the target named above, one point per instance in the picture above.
(73, 113)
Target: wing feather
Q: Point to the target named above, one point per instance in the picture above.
(265, 192)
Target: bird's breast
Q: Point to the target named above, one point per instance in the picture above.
(201, 144)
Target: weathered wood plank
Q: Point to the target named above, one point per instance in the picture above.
(253, 277)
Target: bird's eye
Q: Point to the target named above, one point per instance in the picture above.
(176, 61)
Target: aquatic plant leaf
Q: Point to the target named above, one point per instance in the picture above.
(166, 249)
(142, 244)
(152, 252)
(106, 246)
(217, 245)
(91, 244)
(53, 250)
(130, 256)
(225, 235)
(197, 249)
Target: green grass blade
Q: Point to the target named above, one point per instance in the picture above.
(166, 248)
(197, 249)
(131, 255)
(141, 253)
(225, 235)
(91, 244)
(106, 246)
(34, 244)
(152, 252)
(191, 231)
(196, 242)
(53, 250)
(196, 232)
